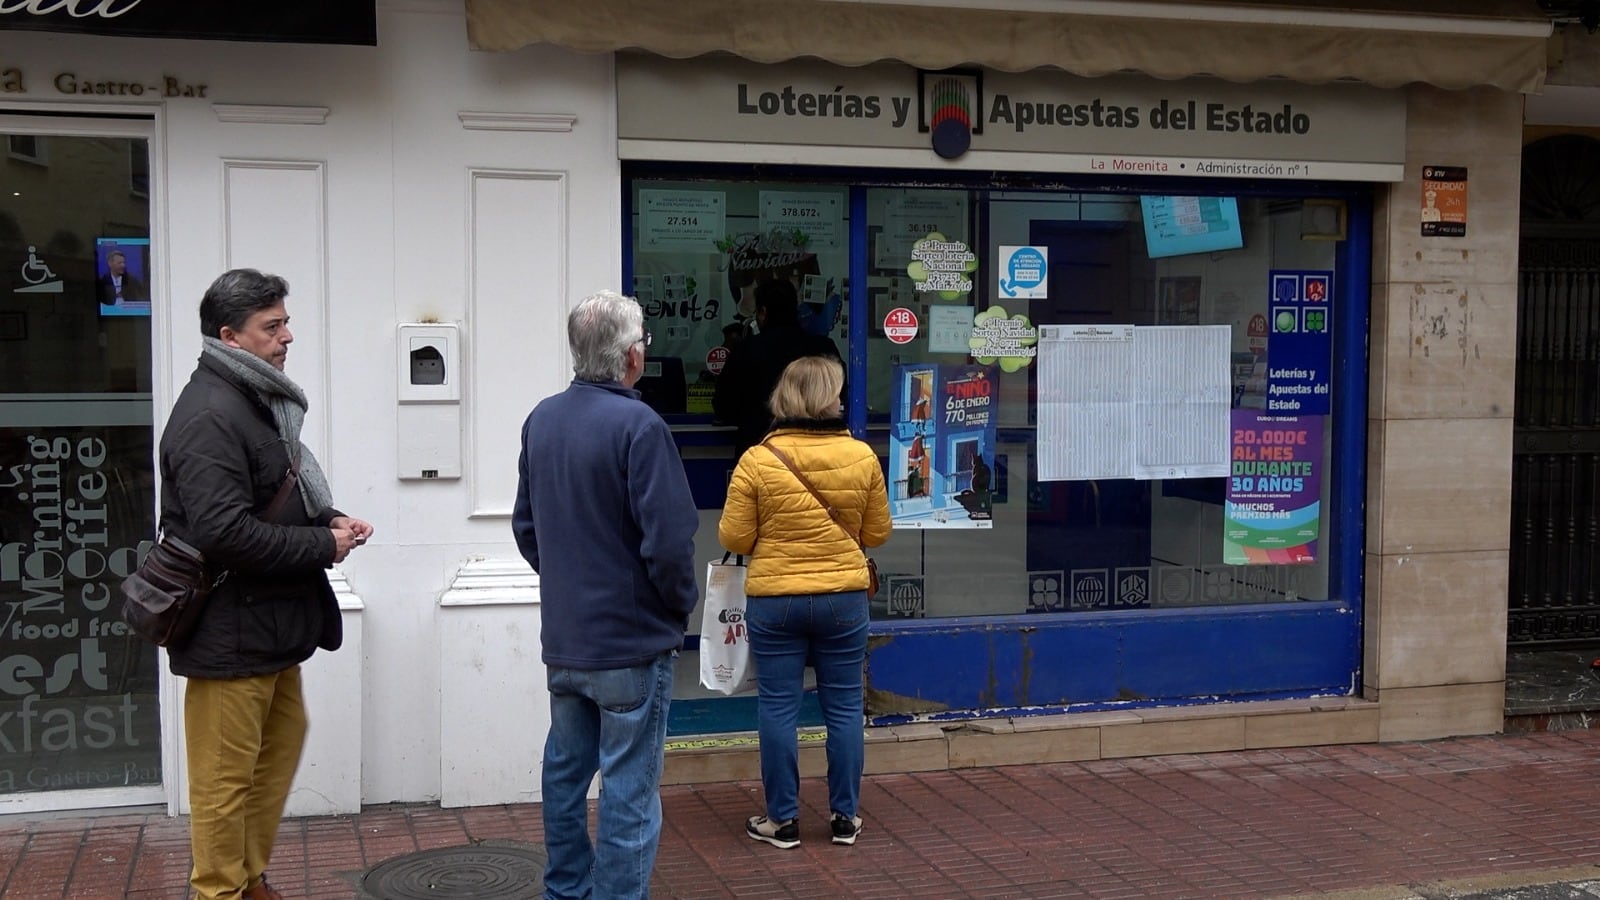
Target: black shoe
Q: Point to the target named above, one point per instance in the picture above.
(783, 836)
(845, 830)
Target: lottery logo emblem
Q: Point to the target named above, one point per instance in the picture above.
(951, 110)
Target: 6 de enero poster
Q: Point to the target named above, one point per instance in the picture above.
(1274, 505)
(941, 446)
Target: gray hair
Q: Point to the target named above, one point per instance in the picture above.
(235, 296)
(600, 330)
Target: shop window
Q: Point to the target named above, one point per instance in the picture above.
(139, 168)
(1042, 543)
(28, 148)
(699, 251)
(79, 701)
(967, 295)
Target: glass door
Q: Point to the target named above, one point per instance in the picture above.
(79, 706)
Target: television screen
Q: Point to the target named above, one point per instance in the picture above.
(122, 276)
(1174, 226)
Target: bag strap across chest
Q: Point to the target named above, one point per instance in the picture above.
(827, 507)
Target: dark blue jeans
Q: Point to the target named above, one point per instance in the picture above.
(613, 721)
(829, 633)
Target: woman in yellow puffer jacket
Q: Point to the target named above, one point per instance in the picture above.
(807, 586)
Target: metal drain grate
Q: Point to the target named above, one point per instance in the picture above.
(479, 872)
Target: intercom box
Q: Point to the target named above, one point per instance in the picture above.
(429, 363)
(429, 417)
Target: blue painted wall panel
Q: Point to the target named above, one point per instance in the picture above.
(1168, 656)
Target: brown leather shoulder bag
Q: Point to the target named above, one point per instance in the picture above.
(162, 600)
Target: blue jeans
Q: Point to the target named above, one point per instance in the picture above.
(829, 633)
(613, 720)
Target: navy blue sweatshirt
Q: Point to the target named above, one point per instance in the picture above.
(604, 515)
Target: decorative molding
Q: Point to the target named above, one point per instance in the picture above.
(251, 114)
(493, 582)
(430, 7)
(347, 597)
(509, 121)
(502, 241)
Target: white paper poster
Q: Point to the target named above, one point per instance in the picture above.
(950, 329)
(1086, 393)
(1185, 394)
(911, 215)
(681, 220)
(1117, 401)
(819, 216)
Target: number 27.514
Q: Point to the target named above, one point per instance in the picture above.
(683, 220)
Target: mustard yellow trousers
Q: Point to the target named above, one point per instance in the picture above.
(243, 737)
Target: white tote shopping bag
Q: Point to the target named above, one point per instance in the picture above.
(725, 663)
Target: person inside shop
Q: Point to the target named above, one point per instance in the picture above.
(807, 588)
(118, 284)
(755, 363)
(238, 484)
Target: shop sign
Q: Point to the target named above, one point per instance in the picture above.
(70, 83)
(280, 21)
(1444, 201)
(1274, 506)
(1037, 120)
(1300, 345)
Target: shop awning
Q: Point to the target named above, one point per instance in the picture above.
(1452, 45)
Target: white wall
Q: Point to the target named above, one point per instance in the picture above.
(389, 210)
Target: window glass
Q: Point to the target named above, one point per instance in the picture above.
(1067, 545)
(78, 701)
(1008, 541)
(700, 248)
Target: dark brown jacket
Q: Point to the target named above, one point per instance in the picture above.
(221, 463)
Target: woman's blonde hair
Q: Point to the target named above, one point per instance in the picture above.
(808, 389)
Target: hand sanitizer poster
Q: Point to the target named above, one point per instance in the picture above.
(941, 446)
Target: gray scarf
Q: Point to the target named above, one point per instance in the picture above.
(288, 405)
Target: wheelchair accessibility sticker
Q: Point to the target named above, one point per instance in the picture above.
(37, 277)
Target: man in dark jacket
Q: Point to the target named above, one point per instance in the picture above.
(226, 453)
(755, 363)
(604, 515)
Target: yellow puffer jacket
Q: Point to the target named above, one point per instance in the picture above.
(794, 548)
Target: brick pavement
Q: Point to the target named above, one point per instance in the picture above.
(1247, 824)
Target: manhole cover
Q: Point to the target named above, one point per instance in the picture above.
(480, 872)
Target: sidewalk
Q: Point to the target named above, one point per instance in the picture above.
(1402, 818)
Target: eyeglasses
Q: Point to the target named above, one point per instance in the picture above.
(646, 339)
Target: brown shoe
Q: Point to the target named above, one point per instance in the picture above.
(262, 891)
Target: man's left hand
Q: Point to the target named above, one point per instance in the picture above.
(361, 529)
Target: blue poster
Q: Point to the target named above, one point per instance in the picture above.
(941, 446)
(1299, 342)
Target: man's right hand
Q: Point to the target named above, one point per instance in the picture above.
(344, 540)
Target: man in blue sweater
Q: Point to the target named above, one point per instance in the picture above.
(604, 515)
